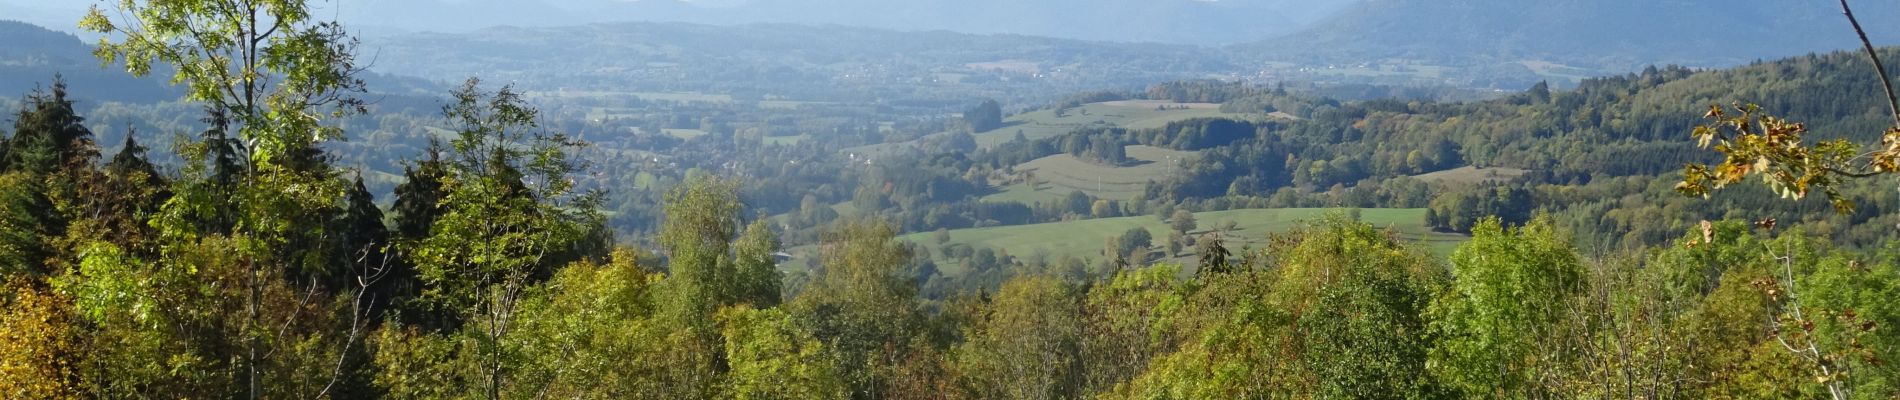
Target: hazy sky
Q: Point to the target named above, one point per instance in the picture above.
(1208, 22)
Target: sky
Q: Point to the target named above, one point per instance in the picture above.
(1202, 22)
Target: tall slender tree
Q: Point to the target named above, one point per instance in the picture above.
(277, 78)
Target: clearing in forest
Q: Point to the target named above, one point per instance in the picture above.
(1252, 227)
(1050, 178)
(1473, 175)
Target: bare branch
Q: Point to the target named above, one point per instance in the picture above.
(1893, 102)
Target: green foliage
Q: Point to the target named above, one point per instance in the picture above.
(510, 216)
(1027, 344)
(27, 222)
(772, 357)
(48, 135)
(1340, 315)
(509, 208)
(188, 327)
(1754, 143)
(1511, 296)
(757, 281)
(984, 117)
(701, 221)
(41, 346)
(1135, 318)
(260, 272)
(1357, 298)
(1183, 221)
(1135, 241)
(1213, 254)
(864, 306)
(271, 66)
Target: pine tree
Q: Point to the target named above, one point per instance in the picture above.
(48, 135)
(419, 197)
(363, 241)
(119, 202)
(27, 223)
(131, 163)
(1213, 255)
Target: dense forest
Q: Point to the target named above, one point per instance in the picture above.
(305, 242)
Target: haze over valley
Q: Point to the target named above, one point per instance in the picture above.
(938, 199)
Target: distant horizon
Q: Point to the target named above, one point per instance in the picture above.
(1192, 22)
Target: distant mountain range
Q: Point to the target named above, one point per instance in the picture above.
(33, 56)
(1610, 34)
(831, 63)
(1480, 43)
(1169, 21)
(1206, 22)
(1602, 34)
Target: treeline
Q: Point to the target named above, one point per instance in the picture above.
(1579, 150)
(491, 277)
(489, 284)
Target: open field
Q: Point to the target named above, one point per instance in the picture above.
(1162, 103)
(1023, 193)
(1016, 66)
(1058, 175)
(1470, 174)
(1086, 238)
(1132, 114)
(683, 97)
(1041, 124)
(785, 140)
(685, 134)
(1555, 70)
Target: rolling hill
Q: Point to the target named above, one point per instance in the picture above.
(1170, 21)
(33, 56)
(1615, 35)
(824, 63)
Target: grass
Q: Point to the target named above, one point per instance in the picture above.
(1473, 175)
(1555, 70)
(1023, 193)
(645, 180)
(1086, 238)
(1041, 124)
(785, 140)
(1058, 175)
(1127, 114)
(684, 134)
(684, 97)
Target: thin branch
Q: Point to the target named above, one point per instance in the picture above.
(1893, 102)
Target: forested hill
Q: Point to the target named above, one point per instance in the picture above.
(1172, 21)
(1606, 154)
(33, 55)
(820, 63)
(263, 266)
(1616, 34)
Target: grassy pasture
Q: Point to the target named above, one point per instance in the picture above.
(686, 134)
(1041, 124)
(785, 140)
(1473, 175)
(1133, 114)
(1058, 175)
(1087, 238)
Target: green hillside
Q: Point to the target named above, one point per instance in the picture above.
(1085, 238)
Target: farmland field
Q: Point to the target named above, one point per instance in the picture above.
(785, 140)
(1086, 238)
(1133, 114)
(1058, 175)
(1470, 174)
(1040, 124)
(684, 134)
